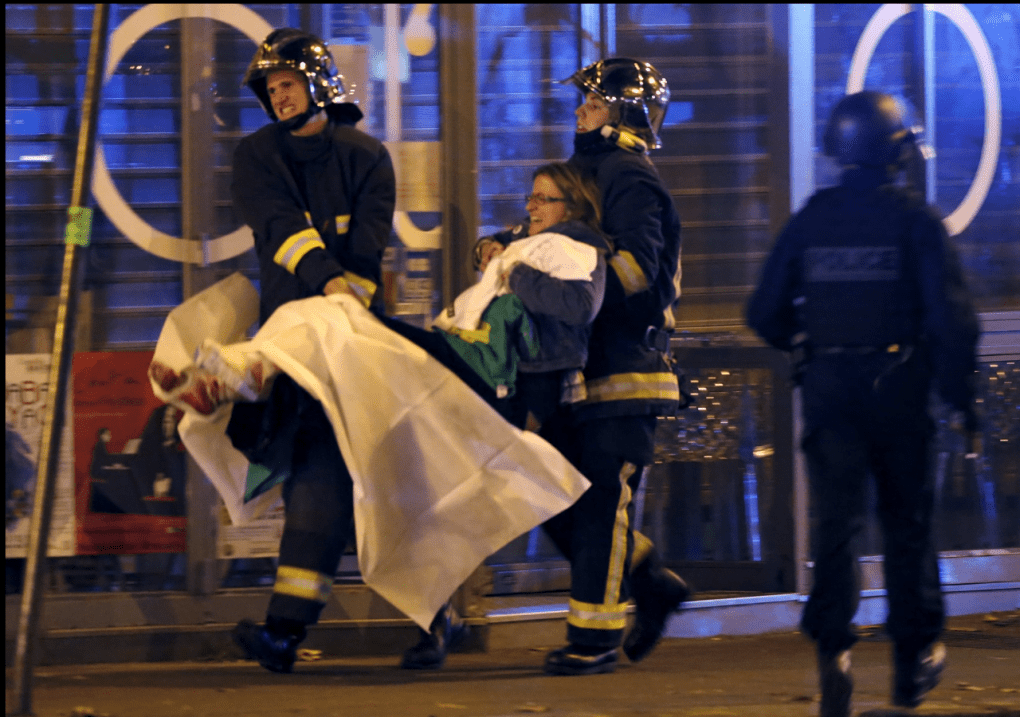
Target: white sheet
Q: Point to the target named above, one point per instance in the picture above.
(441, 481)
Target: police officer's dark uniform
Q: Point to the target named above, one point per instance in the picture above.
(320, 207)
(629, 380)
(865, 282)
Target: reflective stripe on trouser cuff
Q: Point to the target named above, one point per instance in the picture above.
(302, 583)
(364, 288)
(631, 277)
(296, 246)
(630, 386)
(597, 617)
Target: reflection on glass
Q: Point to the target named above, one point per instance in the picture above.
(977, 500)
(710, 482)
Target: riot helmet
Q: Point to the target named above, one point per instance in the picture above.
(291, 49)
(870, 129)
(637, 94)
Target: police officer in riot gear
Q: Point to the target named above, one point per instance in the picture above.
(865, 281)
(319, 196)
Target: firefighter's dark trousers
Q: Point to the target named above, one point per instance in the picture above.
(595, 534)
(319, 514)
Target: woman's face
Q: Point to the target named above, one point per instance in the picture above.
(546, 205)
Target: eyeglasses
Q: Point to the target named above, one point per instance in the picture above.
(542, 199)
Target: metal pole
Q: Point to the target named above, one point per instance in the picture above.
(78, 230)
(801, 39)
(458, 108)
(923, 176)
(198, 53)
(391, 34)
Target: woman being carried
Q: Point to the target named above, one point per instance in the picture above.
(524, 327)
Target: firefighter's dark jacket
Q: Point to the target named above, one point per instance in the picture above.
(319, 207)
(624, 376)
(869, 264)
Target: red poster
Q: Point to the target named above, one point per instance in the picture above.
(129, 466)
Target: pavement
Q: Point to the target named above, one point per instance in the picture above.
(770, 675)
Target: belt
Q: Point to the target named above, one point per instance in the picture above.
(858, 350)
(656, 339)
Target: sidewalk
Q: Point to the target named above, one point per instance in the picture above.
(761, 676)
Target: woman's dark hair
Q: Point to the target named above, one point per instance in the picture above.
(584, 202)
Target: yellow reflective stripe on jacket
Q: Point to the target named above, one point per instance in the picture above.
(472, 336)
(343, 223)
(296, 246)
(597, 617)
(302, 583)
(629, 273)
(630, 386)
(618, 551)
(364, 288)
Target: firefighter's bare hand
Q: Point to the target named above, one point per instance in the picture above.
(487, 251)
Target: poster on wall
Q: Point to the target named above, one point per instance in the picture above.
(259, 538)
(129, 463)
(27, 379)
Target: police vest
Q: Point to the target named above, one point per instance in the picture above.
(858, 282)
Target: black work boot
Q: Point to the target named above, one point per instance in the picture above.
(581, 660)
(273, 645)
(658, 592)
(917, 672)
(445, 632)
(836, 682)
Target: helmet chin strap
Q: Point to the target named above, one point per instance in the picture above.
(625, 139)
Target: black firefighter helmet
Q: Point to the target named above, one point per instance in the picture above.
(291, 49)
(869, 129)
(637, 94)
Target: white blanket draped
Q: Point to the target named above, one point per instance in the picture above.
(441, 481)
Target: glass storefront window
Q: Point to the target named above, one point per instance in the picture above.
(718, 160)
(972, 56)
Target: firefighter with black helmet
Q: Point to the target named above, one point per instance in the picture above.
(294, 181)
(298, 51)
(319, 196)
(865, 282)
(629, 378)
